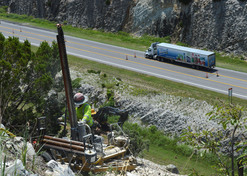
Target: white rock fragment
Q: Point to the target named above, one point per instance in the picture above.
(58, 169)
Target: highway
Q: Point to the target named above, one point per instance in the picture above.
(219, 80)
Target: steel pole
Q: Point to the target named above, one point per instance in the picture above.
(67, 82)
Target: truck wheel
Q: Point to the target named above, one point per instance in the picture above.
(46, 156)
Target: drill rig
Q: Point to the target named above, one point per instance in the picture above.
(86, 151)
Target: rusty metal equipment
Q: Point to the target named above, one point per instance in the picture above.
(67, 81)
(85, 151)
(94, 155)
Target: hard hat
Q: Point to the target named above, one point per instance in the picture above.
(79, 99)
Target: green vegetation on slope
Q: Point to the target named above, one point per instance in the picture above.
(149, 84)
(26, 77)
(164, 150)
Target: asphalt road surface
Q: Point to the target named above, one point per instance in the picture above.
(219, 80)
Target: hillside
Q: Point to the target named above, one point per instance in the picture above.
(216, 25)
(212, 24)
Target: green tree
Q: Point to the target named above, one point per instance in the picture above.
(232, 120)
(25, 79)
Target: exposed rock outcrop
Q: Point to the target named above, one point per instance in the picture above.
(58, 169)
(168, 113)
(217, 25)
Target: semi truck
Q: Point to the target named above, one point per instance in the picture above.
(195, 57)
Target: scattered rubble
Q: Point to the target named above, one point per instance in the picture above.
(16, 168)
(149, 168)
(58, 169)
(19, 157)
(14, 165)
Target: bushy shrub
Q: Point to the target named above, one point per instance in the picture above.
(93, 71)
(137, 142)
(185, 1)
(48, 3)
(110, 98)
(3, 9)
(76, 83)
(107, 2)
(182, 44)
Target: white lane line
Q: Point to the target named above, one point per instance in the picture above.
(37, 30)
(158, 75)
(85, 40)
(233, 71)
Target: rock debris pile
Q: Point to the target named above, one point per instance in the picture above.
(168, 113)
(14, 163)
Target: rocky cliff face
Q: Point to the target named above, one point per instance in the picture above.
(216, 25)
(109, 15)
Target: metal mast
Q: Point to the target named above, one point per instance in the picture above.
(67, 82)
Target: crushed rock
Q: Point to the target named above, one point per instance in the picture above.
(148, 168)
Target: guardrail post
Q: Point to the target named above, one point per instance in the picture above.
(230, 95)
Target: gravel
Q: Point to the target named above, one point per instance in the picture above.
(147, 168)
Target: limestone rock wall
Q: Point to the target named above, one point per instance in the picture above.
(215, 25)
(100, 14)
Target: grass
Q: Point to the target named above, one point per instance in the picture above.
(164, 150)
(231, 62)
(149, 84)
(184, 164)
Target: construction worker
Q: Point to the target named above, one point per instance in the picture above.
(83, 109)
